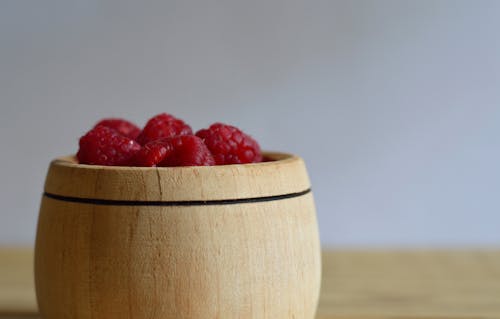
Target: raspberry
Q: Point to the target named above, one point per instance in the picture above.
(188, 150)
(182, 150)
(152, 153)
(161, 126)
(105, 146)
(229, 145)
(122, 126)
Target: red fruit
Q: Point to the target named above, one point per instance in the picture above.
(182, 150)
(186, 150)
(122, 126)
(229, 145)
(162, 126)
(153, 153)
(105, 146)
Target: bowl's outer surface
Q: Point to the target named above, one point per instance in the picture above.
(253, 259)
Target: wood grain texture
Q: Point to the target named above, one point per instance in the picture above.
(287, 174)
(242, 260)
(356, 284)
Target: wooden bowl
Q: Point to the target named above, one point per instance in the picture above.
(231, 241)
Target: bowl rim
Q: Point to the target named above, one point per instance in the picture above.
(283, 174)
(272, 156)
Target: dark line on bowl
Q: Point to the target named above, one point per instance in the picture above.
(114, 202)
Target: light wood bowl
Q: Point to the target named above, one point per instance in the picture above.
(231, 241)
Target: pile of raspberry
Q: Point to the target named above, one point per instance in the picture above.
(165, 141)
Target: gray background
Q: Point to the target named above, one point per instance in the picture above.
(395, 105)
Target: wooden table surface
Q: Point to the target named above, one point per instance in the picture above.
(356, 284)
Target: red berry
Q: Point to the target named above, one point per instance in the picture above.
(182, 150)
(105, 146)
(122, 126)
(187, 150)
(229, 145)
(152, 153)
(162, 126)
